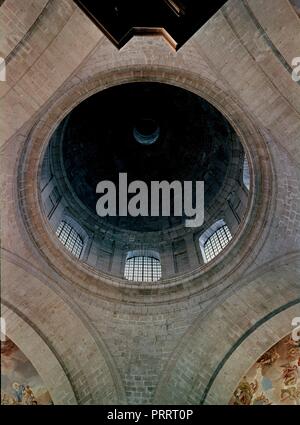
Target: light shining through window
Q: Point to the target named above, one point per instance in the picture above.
(70, 239)
(246, 174)
(217, 242)
(142, 268)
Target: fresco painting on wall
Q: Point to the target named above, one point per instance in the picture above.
(20, 382)
(274, 379)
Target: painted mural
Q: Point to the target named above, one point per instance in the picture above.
(274, 379)
(20, 382)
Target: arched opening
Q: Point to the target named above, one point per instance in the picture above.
(214, 240)
(246, 173)
(71, 240)
(143, 266)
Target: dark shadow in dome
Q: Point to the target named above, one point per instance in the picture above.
(194, 142)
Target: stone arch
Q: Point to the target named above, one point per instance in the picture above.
(40, 355)
(61, 328)
(258, 339)
(235, 330)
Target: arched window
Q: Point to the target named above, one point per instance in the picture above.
(143, 266)
(214, 240)
(70, 238)
(246, 173)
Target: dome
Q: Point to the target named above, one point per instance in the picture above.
(150, 132)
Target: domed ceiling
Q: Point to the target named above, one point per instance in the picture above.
(152, 132)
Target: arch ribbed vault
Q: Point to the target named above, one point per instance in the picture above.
(191, 338)
(68, 353)
(236, 330)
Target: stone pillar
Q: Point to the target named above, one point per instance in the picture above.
(191, 250)
(57, 215)
(118, 261)
(167, 260)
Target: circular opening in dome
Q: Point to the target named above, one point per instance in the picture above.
(146, 131)
(188, 140)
